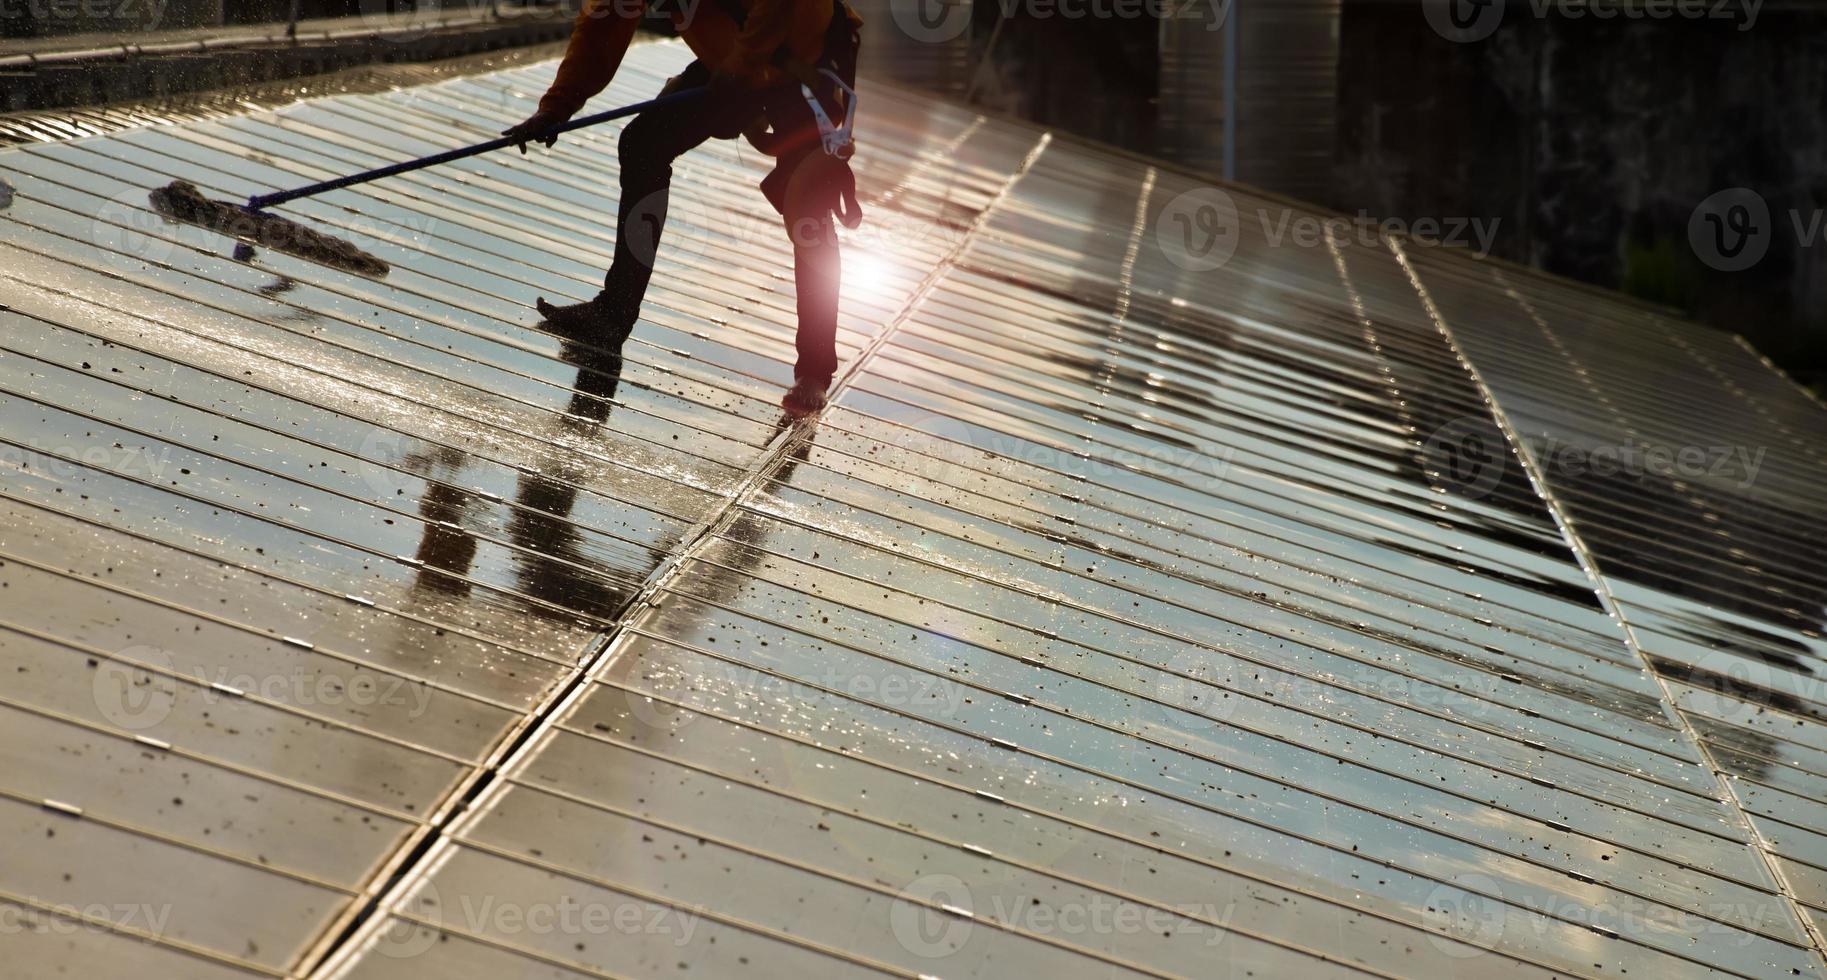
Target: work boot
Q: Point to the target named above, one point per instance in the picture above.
(591, 322)
(806, 397)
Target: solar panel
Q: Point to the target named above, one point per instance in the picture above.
(1159, 595)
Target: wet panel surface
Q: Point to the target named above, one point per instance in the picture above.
(1125, 614)
(1689, 474)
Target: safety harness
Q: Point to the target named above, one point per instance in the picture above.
(836, 64)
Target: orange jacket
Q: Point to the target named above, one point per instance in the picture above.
(604, 29)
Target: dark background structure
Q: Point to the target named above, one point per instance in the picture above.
(1588, 141)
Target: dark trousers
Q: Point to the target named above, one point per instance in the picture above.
(650, 143)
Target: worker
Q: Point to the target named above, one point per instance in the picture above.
(752, 58)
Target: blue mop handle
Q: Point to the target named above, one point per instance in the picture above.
(262, 201)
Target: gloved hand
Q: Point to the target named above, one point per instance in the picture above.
(537, 128)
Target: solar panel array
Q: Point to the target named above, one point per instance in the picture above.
(1690, 475)
(1160, 595)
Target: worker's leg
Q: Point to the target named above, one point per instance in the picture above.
(649, 144)
(817, 273)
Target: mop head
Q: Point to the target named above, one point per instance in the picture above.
(181, 201)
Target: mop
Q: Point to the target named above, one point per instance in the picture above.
(251, 226)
